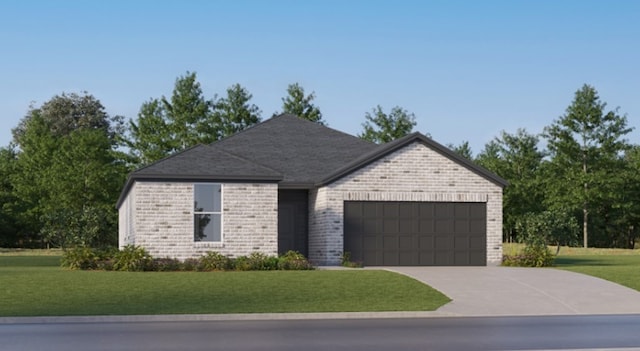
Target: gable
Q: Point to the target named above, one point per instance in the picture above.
(444, 155)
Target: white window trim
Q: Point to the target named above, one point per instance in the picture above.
(221, 213)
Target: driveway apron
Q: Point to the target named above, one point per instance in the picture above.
(507, 291)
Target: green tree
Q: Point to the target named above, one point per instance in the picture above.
(299, 104)
(585, 145)
(516, 158)
(68, 174)
(234, 113)
(380, 127)
(165, 126)
(463, 150)
(11, 230)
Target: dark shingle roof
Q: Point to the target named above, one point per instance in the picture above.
(303, 151)
(286, 149)
(204, 161)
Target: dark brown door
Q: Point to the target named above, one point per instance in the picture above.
(415, 233)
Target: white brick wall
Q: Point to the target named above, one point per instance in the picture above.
(415, 173)
(163, 219)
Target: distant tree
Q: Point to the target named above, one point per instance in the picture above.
(299, 104)
(234, 113)
(165, 126)
(516, 158)
(585, 146)
(11, 229)
(68, 173)
(380, 127)
(463, 150)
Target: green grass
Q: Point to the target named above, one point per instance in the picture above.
(618, 268)
(36, 286)
(617, 265)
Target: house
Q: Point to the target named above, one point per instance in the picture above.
(290, 184)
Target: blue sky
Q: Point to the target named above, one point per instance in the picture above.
(466, 69)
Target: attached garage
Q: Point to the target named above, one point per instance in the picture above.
(404, 233)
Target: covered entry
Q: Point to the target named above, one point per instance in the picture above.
(386, 233)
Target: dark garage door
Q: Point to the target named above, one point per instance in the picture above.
(415, 233)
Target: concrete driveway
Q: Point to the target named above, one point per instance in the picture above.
(506, 291)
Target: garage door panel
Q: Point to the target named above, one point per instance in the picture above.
(370, 242)
(390, 225)
(460, 243)
(416, 233)
(426, 226)
(443, 242)
(444, 226)
(476, 243)
(405, 242)
(426, 209)
(390, 210)
(426, 242)
(390, 258)
(406, 225)
(461, 226)
(390, 242)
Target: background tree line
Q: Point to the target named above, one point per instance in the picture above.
(64, 169)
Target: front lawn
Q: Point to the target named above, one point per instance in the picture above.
(616, 265)
(36, 286)
(619, 268)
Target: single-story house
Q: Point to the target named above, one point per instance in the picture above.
(290, 184)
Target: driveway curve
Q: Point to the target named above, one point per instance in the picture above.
(508, 291)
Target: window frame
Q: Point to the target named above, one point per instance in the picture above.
(194, 213)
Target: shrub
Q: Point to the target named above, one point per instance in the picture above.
(132, 259)
(256, 261)
(165, 265)
(190, 264)
(80, 258)
(293, 260)
(535, 254)
(213, 261)
(345, 261)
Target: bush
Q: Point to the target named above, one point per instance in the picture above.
(165, 265)
(535, 254)
(345, 261)
(293, 260)
(256, 261)
(80, 258)
(213, 261)
(132, 259)
(190, 264)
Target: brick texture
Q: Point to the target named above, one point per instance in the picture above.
(159, 217)
(414, 173)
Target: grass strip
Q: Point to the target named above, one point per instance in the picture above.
(35, 286)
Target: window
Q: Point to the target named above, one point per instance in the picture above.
(207, 212)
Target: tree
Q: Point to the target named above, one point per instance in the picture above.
(296, 103)
(516, 158)
(383, 128)
(585, 146)
(11, 230)
(234, 113)
(463, 150)
(68, 174)
(165, 126)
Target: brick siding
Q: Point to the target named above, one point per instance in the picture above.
(162, 219)
(414, 173)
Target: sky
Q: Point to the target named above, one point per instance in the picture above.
(467, 69)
